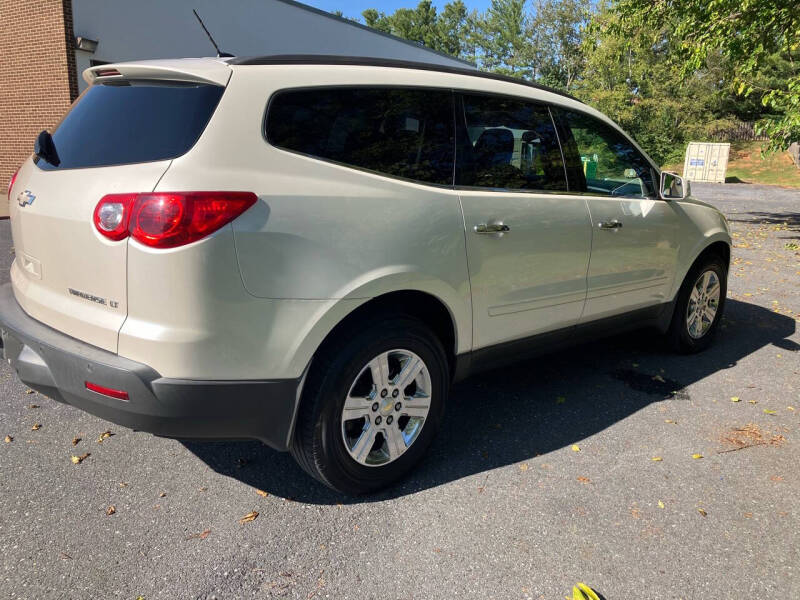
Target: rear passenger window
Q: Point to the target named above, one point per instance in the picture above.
(404, 133)
(602, 161)
(511, 144)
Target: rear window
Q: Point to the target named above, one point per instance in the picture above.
(404, 133)
(132, 122)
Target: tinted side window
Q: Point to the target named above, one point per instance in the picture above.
(401, 132)
(132, 122)
(601, 161)
(508, 144)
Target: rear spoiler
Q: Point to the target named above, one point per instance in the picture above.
(193, 70)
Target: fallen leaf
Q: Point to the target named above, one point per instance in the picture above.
(33, 406)
(658, 378)
(9, 439)
(702, 512)
(523, 467)
(670, 421)
(576, 448)
(111, 510)
(36, 427)
(104, 436)
(753, 401)
(262, 493)
(162, 495)
(660, 504)
(584, 480)
(29, 391)
(790, 408)
(76, 441)
(251, 516)
(656, 459)
(748, 515)
(770, 412)
(697, 456)
(76, 460)
(735, 398)
(776, 478)
(199, 536)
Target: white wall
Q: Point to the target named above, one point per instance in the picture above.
(141, 29)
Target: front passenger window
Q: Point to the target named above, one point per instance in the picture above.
(601, 161)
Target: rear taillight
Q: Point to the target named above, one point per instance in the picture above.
(168, 219)
(11, 182)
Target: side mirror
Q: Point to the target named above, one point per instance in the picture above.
(673, 186)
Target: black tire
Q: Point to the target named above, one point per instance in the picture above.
(318, 445)
(678, 333)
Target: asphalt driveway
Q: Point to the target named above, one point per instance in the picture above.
(573, 467)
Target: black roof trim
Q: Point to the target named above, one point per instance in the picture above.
(330, 59)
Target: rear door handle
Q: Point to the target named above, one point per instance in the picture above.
(612, 224)
(492, 228)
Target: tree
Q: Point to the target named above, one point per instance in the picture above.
(502, 38)
(747, 34)
(556, 37)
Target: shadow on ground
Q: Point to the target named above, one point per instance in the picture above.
(511, 415)
(790, 219)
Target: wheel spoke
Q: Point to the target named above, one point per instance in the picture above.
(410, 371)
(364, 444)
(706, 279)
(355, 408)
(394, 441)
(379, 367)
(695, 295)
(415, 411)
(714, 291)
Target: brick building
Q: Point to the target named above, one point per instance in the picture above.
(46, 44)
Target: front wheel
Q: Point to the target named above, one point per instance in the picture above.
(699, 306)
(372, 404)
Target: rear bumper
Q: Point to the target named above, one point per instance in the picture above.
(59, 366)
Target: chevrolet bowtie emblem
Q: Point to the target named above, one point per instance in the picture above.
(25, 198)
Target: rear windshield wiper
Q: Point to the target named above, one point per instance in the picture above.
(45, 148)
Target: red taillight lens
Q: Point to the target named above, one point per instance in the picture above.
(11, 182)
(111, 215)
(167, 220)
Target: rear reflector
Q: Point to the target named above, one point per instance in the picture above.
(168, 219)
(110, 392)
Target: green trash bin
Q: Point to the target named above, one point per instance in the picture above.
(589, 166)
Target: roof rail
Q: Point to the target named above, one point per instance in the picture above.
(329, 59)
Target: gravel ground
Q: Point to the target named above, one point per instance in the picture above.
(544, 475)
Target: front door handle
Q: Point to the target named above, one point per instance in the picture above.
(492, 228)
(612, 224)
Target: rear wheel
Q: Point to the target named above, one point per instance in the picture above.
(699, 306)
(372, 404)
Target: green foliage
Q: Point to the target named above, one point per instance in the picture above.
(668, 71)
(751, 36)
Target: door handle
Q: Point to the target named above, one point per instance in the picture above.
(612, 224)
(492, 228)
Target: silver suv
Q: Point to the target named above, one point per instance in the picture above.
(309, 250)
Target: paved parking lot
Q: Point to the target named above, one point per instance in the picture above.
(544, 475)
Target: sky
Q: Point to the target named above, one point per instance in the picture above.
(354, 8)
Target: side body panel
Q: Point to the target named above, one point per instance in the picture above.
(532, 279)
(633, 266)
